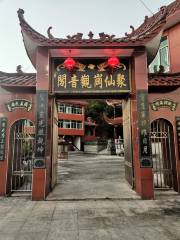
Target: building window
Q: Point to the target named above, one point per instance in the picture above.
(79, 125)
(71, 124)
(60, 123)
(76, 110)
(67, 124)
(69, 109)
(161, 61)
(61, 108)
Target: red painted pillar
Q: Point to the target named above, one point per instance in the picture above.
(3, 172)
(141, 129)
(42, 162)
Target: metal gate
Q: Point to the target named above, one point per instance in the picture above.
(22, 153)
(163, 155)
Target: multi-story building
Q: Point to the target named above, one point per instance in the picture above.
(167, 57)
(71, 121)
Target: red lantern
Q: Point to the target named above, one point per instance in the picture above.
(69, 63)
(113, 62)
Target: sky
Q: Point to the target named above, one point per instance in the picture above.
(67, 17)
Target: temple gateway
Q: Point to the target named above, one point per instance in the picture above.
(141, 70)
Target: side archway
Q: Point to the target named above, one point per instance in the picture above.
(163, 155)
(21, 156)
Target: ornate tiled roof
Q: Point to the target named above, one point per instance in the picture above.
(18, 79)
(139, 36)
(149, 29)
(113, 121)
(113, 102)
(164, 80)
(149, 23)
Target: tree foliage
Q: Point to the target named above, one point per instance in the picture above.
(95, 110)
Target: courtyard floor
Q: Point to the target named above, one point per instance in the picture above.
(90, 176)
(91, 206)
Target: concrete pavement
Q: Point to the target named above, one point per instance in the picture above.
(90, 176)
(93, 204)
(22, 219)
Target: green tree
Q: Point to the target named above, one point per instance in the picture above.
(95, 110)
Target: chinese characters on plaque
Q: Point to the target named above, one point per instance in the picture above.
(41, 128)
(19, 103)
(92, 79)
(144, 129)
(178, 134)
(3, 125)
(163, 103)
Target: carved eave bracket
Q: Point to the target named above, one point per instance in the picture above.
(104, 36)
(77, 36)
(20, 14)
(49, 33)
(19, 69)
(132, 32)
(90, 35)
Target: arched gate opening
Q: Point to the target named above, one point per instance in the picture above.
(21, 155)
(163, 155)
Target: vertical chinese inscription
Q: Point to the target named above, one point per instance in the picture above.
(144, 129)
(3, 125)
(178, 134)
(41, 128)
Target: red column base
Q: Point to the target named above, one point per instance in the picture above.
(38, 184)
(144, 184)
(3, 178)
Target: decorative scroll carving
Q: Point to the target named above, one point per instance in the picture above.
(101, 67)
(91, 66)
(20, 11)
(91, 35)
(104, 65)
(21, 16)
(104, 36)
(19, 69)
(129, 34)
(49, 33)
(81, 67)
(77, 36)
(163, 9)
(133, 29)
(146, 19)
